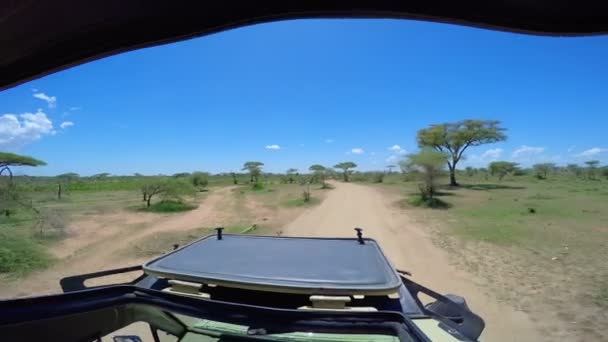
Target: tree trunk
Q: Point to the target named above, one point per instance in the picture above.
(148, 201)
(59, 191)
(453, 176)
(345, 176)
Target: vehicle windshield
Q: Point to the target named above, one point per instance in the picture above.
(476, 159)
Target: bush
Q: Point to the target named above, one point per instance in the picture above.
(257, 186)
(378, 177)
(420, 201)
(170, 206)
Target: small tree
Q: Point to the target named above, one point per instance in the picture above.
(255, 170)
(543, 169)
(455, 138)
(320, 174)
(592, 168)
(291, 175)
(199, 180)
(151, 189)
(175, 190)
(345, 167)
(305, 182)
(390, 168)
(235, 180)
(574, 169)
(64, 181)
(501, 168)
(429, 163)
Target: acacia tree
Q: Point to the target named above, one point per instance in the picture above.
(345, 167)
(65, 179)
(100, 176)
(255, 170)
(592, 168)
(501, 168)
(454, 138)
(574, 169)
(543, 169)
(390, 168)
(291, 175)
(319, 173)
(8, 193)
(8, 160)
(429, 164)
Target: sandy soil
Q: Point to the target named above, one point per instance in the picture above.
(409, 246)
(99, 240)
(96, 242)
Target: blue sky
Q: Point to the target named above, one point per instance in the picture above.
(296, 93)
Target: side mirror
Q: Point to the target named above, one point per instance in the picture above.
(127, 338)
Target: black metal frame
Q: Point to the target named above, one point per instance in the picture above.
(466, 326)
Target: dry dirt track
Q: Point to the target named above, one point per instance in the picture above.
(105, 253)
(409, 247)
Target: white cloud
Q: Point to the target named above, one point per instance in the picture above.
(397, 149)
(19, 130)
(524, 151)
(357, 151)
(273, 147)
(66, 124)
(592, 152)
(329, 140)
(492, 154)
(571, 148)
(50, 100)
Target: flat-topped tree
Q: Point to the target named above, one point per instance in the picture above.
(255, 170)
(319, 173)
(454, 138)
(291, 175)
(345, 167)
(8, 160)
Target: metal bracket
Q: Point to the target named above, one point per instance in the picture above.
(360, 235)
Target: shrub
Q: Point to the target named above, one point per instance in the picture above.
(378, 177)
(427, 202)
(170, 206)
(257, 186)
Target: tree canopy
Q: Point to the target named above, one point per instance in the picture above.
(501, 168)
(8, 160)
(345, 166)
(454, 138)
(254, 168)
(543, 169)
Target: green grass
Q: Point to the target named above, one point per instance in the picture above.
(170, 207)
(299, 202)
(21, 254)
(602, 296)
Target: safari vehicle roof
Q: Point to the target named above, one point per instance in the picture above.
(41, 37)
(336, 266)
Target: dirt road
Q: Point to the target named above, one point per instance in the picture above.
(409, 247)
(102, 250)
